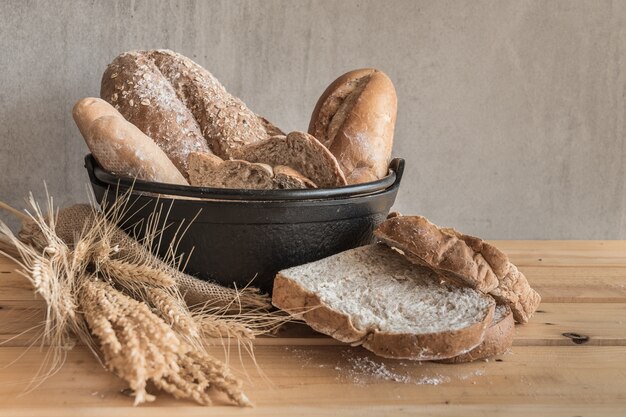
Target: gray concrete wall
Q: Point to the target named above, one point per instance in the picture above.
(511, 113)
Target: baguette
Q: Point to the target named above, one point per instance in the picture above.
(372, 296)
(355, 119)
(120, 147)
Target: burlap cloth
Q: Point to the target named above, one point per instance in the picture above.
(72, 221)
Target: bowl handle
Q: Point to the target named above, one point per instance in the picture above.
(397, 166)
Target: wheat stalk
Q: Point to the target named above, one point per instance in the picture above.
(139, 347)
(135, 274)
(135, 343)
(170, 307)
(122, 302)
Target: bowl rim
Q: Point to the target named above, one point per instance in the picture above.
(99, 174)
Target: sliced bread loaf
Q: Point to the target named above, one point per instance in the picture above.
(498, 338)
(373, 296)
(299, 151)
(463, 259)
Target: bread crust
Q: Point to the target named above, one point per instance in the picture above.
(515, 291)
(498, 339)
(355, 119)
(306, 305)
(120, 147)
(463, 259)
(478, 265)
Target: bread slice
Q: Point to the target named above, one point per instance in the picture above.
(208, 170)
(498, 338)
(287, 178)
(515, 291)
(373, 296)
(463, 259)
(299, 151)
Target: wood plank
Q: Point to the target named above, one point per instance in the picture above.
(564, 252)
(578, 284)
(320, 410)
(309, 377)
(592, 284)
(603, 323)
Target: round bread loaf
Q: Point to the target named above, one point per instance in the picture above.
(355, 119)
(180, 105)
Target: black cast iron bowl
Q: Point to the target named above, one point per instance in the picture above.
(237, 235)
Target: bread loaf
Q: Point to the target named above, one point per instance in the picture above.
(299, 151)
(120, 147)
(372, 296)
(137, 88)
(464, 259)
(206, 170)
(180, 105)
(355, 119)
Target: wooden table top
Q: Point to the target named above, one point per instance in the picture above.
(583, 285)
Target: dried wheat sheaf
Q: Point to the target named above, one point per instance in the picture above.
(108, 291)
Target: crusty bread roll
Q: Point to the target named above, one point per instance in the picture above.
(355, 118)
(299, 151)
(206, 170)
(120, 147)
(180, 105)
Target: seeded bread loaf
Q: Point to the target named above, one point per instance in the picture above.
(134, 85)
(299, 151)
(463, 259)
(355, 119)
(120, 147)
(181, 105)
(498, 338)
(372, 296)
(207, 170)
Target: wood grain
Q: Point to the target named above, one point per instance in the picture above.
(583, 285)
(603, 323)
(305, 376)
